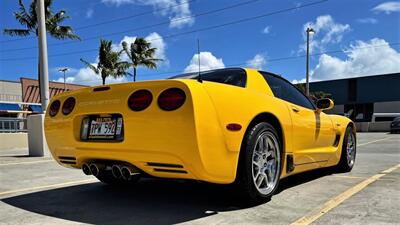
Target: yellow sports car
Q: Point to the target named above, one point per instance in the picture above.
(240, 126)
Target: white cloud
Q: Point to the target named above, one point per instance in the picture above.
(157, 41)
(86, 76)
(387, 7)
(368, 20)
(178, 11)
(207, 62)
(257, 62)
(327, 31)
(89, 13)
(266, 30)
(363, 58)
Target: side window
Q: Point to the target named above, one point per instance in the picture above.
(286, 91)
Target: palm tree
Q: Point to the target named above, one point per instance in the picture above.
(29, 19)
(110, 63)
(140, 53)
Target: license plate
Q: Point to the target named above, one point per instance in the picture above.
(102, 128)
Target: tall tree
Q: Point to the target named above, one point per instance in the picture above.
(140, 53)
(29, 19)
(110, 63)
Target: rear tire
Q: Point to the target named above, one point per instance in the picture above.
(260, 164)
(349, 149)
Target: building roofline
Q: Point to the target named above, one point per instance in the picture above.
(81, 85)
(11, 81)
(360, 77)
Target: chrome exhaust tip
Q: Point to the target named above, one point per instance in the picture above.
(94, 169)
(116, 171)
(86, 169)
(128, 172)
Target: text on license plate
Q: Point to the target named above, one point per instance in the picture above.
(105, 127)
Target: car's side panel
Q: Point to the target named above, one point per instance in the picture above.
(241, 105)
(340, 124)
(313, 137)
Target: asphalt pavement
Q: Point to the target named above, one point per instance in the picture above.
(36, 190)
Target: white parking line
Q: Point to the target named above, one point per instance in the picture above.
(367, 143)
(32, 162)
(48, 186)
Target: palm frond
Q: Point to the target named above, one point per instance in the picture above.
(16, 32)
(90, 66)
(62, 32)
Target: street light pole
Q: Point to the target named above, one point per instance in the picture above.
(308, 31)
(44, 69)
(63, 70)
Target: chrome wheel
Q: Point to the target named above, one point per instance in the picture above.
(266, 162)
(351, 149)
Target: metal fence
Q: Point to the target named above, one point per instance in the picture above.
(12, 125)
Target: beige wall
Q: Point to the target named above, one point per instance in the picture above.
(13, 141)
(10, 91)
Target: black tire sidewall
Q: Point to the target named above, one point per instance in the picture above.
(245, 164)
(343, 165)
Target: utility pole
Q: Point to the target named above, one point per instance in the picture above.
(43, 64)
(308, 31)
(63, 70)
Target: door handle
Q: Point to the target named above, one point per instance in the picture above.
(295, 109)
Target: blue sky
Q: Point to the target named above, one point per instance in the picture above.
(368, 32)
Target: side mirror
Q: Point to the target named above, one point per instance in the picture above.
(325, 104)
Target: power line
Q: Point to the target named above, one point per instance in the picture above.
(106, 21)
(277, 59)
(191, 31)
(132, 16)
(240, 4)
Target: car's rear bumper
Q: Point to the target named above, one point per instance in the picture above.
(191, 139)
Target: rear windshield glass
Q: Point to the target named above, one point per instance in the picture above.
(236, 77)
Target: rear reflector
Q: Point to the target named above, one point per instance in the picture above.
(171, 99)
(234, 127)
(140, 100)
(54, 108)
(68, 105)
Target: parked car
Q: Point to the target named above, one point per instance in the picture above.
(240, 126)
(395, 125)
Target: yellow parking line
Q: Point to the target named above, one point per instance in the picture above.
(32, 162)
(351, 177)
(329, 205)
(48, 186)
(367, 143)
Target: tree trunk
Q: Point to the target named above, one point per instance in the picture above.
(134, 74)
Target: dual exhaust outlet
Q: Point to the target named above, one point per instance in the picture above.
(118, 171)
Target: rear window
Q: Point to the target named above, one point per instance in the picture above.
(235, 77)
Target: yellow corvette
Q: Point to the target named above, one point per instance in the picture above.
(240, 126)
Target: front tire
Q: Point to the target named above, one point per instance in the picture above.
(260, 163)
(349, 149)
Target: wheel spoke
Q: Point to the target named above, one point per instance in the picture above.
(260, 180)
(265, 162)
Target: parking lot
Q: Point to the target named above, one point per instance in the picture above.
(39, 191)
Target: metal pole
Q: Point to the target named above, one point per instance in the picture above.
(44, 72)
(65, 87)
(307, 63)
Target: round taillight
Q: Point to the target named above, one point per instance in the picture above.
(140, 100)
(171, 99)
(68, 106)
(54, 108)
